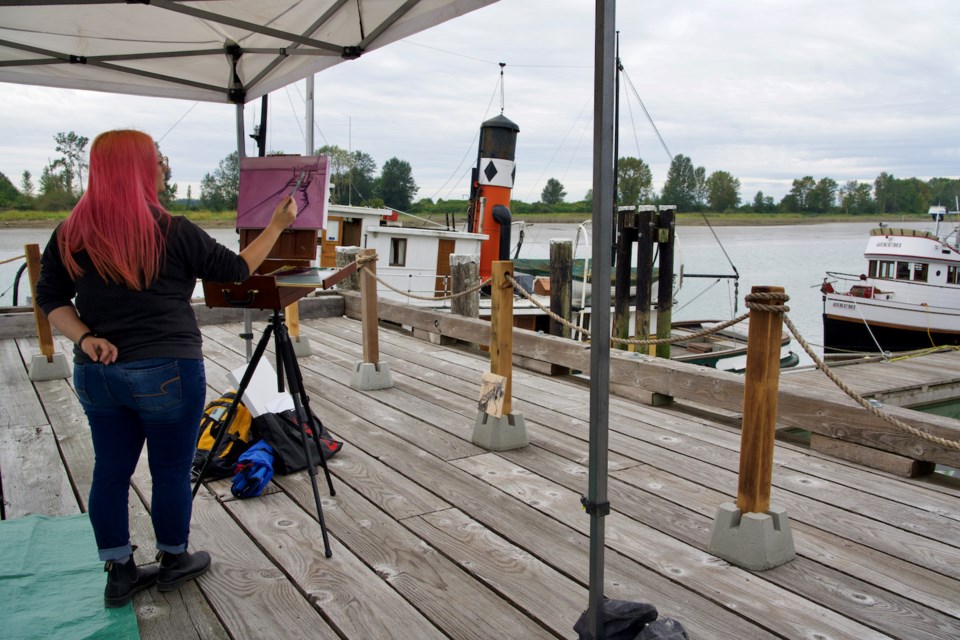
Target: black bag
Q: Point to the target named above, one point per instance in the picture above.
(282, 432)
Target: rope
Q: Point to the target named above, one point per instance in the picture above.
(362, 262)
(14, 259)
(863, 402)
(775, 303)
(650, 341)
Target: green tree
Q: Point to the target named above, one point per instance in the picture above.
(219, 190)
(680, 187)
(361, 178)
(9, 196)
(55, 188)
(723, 191)
(73, 150)
(700, 194)
(396, 186)
(553, 192)
(944, 191)
(26, 185)
(763, 204)
(856, 198)
(339, 159)
(169, 192)
(634, 182)
(798, 200)
(885, 193)
(823, 196)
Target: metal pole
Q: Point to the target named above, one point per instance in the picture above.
(596, 500)
(242, 153)
(308, 108)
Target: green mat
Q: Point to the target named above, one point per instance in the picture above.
(51, 583)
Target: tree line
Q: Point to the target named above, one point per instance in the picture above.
(355, 180)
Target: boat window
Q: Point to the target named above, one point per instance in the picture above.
(873, 269)
(886, 269)
(398, 252)
(920, 271)
(903, 271)
(953, 275)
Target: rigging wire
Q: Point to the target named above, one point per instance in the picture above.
(546, 167)
(470, 148)
(315, 125)
(192, 107)
(303, 134)
(647, 113)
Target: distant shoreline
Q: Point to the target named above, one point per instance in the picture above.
(228, 220)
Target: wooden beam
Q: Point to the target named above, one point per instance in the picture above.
(44, 333)
(798, 406)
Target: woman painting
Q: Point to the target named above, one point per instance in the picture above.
(116, 279)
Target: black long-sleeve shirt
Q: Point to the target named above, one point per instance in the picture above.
(156, 322)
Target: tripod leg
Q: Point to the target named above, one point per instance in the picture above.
(287, 359)
(232, 411)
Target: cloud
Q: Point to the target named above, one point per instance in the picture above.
(766, 90)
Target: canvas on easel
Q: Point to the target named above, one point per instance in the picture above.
(264, 182)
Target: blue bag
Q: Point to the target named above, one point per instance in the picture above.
(253, 470)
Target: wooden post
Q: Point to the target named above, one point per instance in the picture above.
(665, 278)
(501, 328)
(761, 383)
(646, 230)
(368, 301)
(561, 285)
(292, 315)
(626, 236)
(464, 273)
(44, 333)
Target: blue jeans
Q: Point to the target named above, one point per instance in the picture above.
(158, 401)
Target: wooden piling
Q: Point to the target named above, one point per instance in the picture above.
(665, 236)
(761, 384)
(44, 332)
(368, 296)
(464, 273)
(626, 236)
(646, 230)
(501, 328)
(561, 285)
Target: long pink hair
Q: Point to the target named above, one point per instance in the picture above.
(117, 219)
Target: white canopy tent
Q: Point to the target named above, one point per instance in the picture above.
(229, 51)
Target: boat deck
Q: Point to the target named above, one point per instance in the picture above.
(434, 537)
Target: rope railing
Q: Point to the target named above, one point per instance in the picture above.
(769, 302)
(13, 259)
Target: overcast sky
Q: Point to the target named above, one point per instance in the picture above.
(768, 90)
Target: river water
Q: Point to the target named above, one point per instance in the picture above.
(794, 257)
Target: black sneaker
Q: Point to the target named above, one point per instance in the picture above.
(177, 568)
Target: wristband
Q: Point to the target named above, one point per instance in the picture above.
(88, 334)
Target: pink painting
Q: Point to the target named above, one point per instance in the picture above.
(264, 182)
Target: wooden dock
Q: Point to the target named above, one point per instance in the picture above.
(435, 538)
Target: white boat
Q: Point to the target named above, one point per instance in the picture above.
(908, 298)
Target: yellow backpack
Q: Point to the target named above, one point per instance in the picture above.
(240, 435)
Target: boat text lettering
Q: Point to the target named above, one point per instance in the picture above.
(889, 244)
(843, 305)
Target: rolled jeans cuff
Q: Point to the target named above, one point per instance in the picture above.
(116, 553)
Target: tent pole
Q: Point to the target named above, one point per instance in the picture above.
(596, 500)
(308, 108)
(241, 153)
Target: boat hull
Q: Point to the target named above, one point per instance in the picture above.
(856, 334)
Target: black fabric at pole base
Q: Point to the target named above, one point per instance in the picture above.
(625, 620)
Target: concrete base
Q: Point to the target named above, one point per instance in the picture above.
(40, 369)
(500, 434)
(301, 346)
(370, 377)
(756, 541)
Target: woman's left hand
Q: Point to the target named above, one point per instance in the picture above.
(100, 350)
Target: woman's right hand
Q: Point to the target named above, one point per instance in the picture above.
(285, 213)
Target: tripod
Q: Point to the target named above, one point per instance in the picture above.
(286, 364)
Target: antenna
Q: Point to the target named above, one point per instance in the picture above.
(502, 65)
